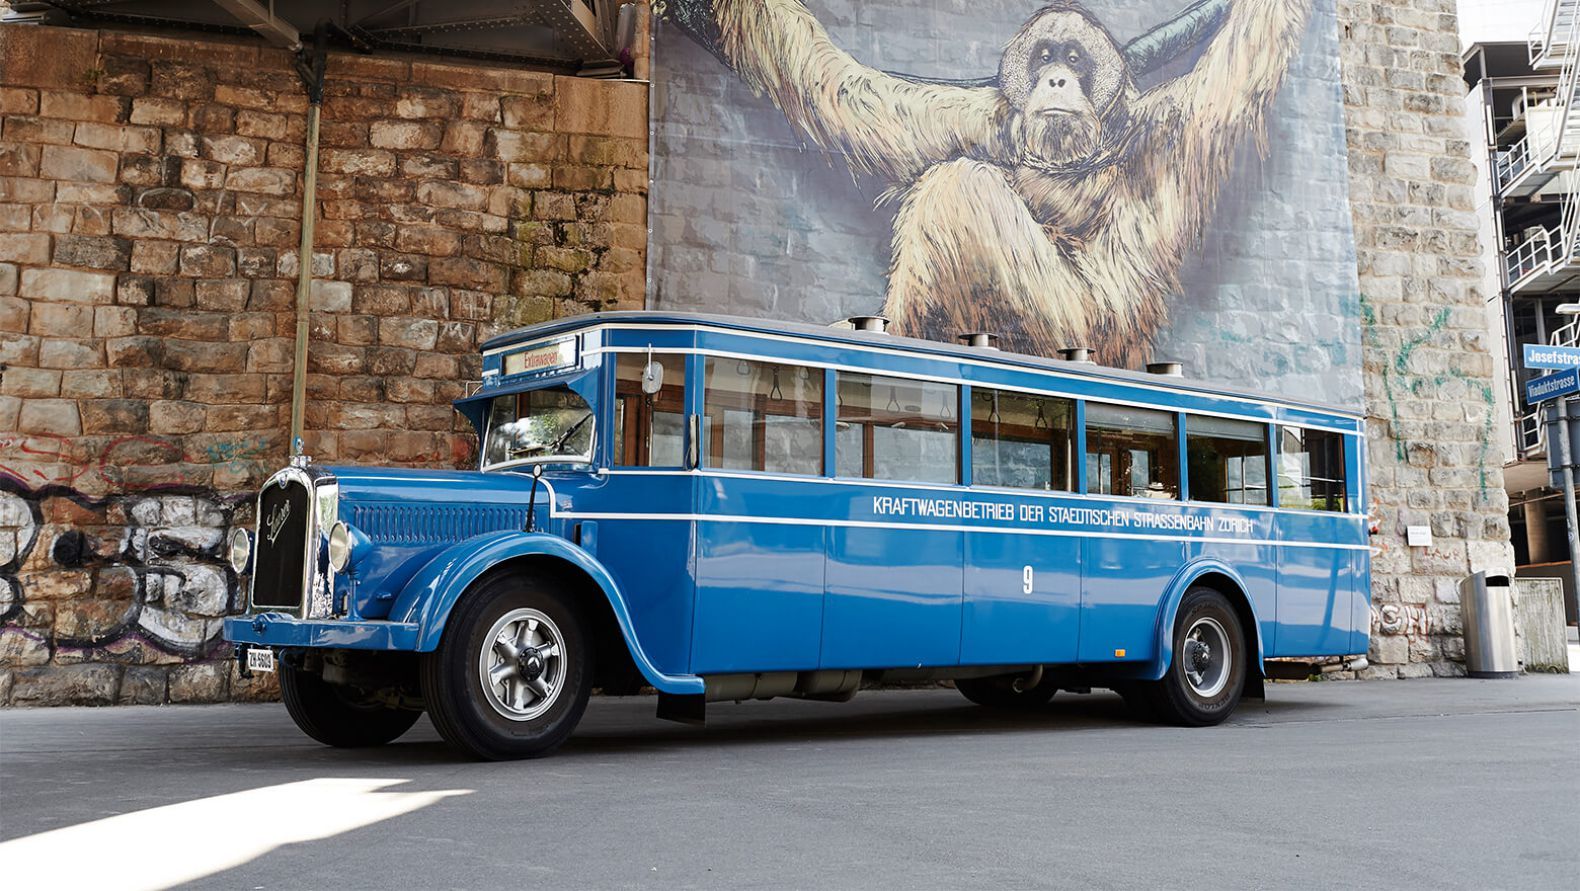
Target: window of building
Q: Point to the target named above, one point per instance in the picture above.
(1311, 470)
(1226, 460)
(1131, 451)
(649, 429)
(896, 429)
(763, 416)
(1020, 440)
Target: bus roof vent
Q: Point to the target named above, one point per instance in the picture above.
(877, 324)
(987, 340)
(1076, 354)
(1167, 369)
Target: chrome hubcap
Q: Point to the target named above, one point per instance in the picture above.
(1205, 655)
(522, 665)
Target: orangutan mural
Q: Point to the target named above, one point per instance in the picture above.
(1053, 202)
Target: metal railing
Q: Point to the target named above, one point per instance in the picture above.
(1565, 97)
(1511, 163)
(1540, 39)
(1533, 255)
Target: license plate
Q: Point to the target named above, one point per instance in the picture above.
(260, 660)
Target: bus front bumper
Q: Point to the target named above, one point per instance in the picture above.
(281, 630)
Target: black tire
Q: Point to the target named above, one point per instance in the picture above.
(324, 712)
(1000, 692)
(1190, 694)
(481, 723)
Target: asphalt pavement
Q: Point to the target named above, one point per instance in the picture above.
(1385, 784)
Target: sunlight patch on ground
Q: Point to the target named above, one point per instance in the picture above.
(135, 850)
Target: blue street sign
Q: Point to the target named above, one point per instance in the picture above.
(1540, 355)
(1552, 386)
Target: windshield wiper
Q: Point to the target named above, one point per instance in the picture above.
(553, 448)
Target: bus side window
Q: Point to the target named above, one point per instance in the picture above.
(1311, 469)
(1021, 441)
(649, 430)
(1131, 452)
(1226, 460)
(763, 416)
(891, 428)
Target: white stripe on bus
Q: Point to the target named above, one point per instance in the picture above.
(922, 527)
(972, 490)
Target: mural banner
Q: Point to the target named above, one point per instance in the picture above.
(1149, 178)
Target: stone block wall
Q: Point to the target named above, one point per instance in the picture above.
(150, 207)
(1429, 370)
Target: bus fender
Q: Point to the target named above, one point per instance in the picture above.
(1182, 582)
(432, 593)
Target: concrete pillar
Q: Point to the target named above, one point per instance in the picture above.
(1536, 530)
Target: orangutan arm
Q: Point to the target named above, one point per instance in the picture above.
(884, 124)
(1191, 126)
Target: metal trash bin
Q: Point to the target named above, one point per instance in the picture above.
(1487, 604)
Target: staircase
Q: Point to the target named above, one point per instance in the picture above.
(1549, 259)
(1552, 38)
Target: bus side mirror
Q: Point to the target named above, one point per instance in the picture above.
(652, 377)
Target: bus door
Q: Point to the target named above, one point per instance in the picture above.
(1131, 453)
(760, 565)
(1316, 585)
(1022, 590)
(645, 534)
(894, 578)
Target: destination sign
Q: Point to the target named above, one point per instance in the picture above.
(541, 359)
(1540, 355)
(1552, 386)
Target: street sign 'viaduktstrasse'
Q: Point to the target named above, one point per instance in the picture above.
(1552, 386)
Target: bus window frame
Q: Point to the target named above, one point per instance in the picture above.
(701, 360)
(1353, 444)
(614, 453)
(1348, 451)
(1182, 494)
(1349, 444)
(831, 407)
(1075, 452)
(1269, 461)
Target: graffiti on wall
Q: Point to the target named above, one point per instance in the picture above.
(1402, 378)
(133, 577)
(1060, 173)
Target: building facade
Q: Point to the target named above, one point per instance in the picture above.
(1521, 79)
(151, 188)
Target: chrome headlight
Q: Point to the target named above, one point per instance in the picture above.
(339, 547)
(239, 550)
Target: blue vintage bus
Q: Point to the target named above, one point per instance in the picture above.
(728, 509)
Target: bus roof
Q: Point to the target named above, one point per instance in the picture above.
(835, 336)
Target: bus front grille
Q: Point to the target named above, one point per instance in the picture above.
(280, 573)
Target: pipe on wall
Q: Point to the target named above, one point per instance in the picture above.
(311, 71)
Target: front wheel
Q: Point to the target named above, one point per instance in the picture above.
(325, 712)
(1207, 674)
(512, 675)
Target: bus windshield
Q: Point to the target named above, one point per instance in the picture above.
(553, 424)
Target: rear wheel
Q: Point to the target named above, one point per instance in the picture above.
(512, 675)
(1207, 674)
(1007, 691)
(330, 713)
